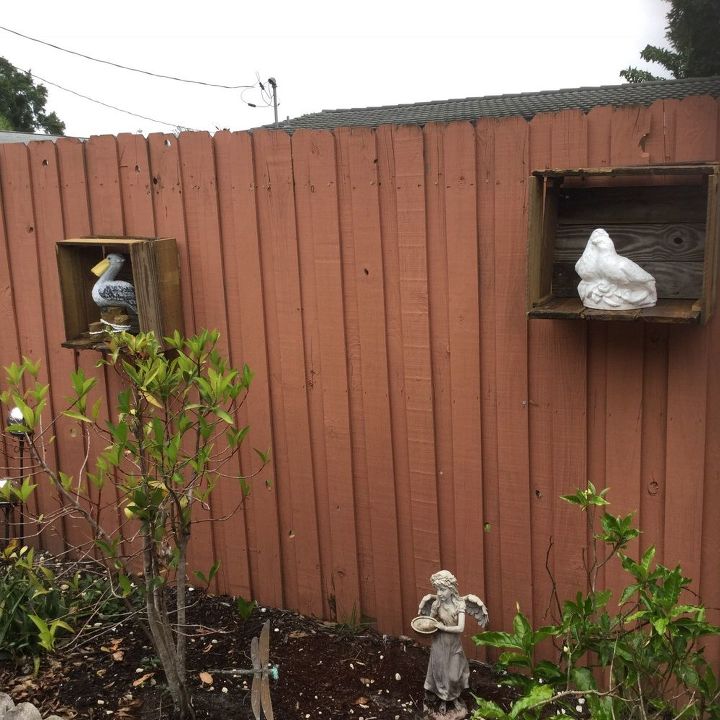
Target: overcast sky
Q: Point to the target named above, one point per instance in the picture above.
(324, 54)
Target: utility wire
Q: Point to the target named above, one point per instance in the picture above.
(123, 67)
(112, 107)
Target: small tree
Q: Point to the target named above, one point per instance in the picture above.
(169, 444)
(22, 102)
(692, 31)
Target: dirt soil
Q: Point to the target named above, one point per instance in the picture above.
(326, 671)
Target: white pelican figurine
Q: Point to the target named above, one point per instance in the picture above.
(109, 292)
(610, 281)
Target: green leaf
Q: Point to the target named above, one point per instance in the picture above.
(75, 415)
(538, 695)
(225, 416)
(488, 709)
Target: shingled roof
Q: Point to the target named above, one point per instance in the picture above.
(525, 105)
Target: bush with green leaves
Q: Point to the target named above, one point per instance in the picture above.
(43, 603)
(170, 440)
(642, 658)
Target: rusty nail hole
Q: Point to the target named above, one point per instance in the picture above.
(366, 271)
(137, 168)
(155, 181)
(45, 162)
(538, 494)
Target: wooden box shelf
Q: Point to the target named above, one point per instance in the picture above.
(151, 265)
(664, 217)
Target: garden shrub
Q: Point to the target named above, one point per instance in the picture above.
(642, 658)
(170, 440)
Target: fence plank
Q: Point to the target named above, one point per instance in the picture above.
(106, 218)
(511, 170)
(76, 215)
(69, 447)
(438, 283)
(496, 597)
(314, 166)
(276, 210)
(460, 179)
(202, 225)
(409, 195)
(391, 261)
(568, 383)
(688, 365)
(351, 312)
(24, 270)
(169, 212)
(369, 285)
(247, 340)
(541, 372)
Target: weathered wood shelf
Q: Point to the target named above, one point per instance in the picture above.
(151, 266)
(666, 311)
(664, 217)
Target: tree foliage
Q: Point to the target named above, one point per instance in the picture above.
(692, 33)
(173, 439)
(22, 103)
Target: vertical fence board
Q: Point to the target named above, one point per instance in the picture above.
(260, 574)
(599, 134)
(438, 283)
(204, 253)
(569, 137)
(169, 212)
(68, 448)
(409, 178)
(459, 182)
(653, 433)
(541, 375)
(105, 205)
(624, 369)
(22, 249)
(74, 192)
(314, 165)
(281, 268)
(511, 170)
(688, 366)
(351, 318)
(369, 286)
(486, 169)
(387, 184)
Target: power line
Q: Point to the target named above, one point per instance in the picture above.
(123, 67)
(107, 105)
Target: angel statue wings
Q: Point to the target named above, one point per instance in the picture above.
(448, 670)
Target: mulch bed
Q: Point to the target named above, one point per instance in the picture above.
(326, 671)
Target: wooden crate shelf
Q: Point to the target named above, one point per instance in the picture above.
(152, 267)
(664, 217)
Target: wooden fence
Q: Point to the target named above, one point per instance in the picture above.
(375, 282)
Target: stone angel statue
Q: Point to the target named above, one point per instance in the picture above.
(448, 670)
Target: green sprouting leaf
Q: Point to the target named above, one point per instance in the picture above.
(225, 416)
(75, 415)
(264, 456)
(125, 585)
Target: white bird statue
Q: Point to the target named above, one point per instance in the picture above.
(109, 292)
(610, 281)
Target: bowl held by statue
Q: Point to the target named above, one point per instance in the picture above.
(424, 624)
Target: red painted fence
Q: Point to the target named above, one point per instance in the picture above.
(375, 282)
